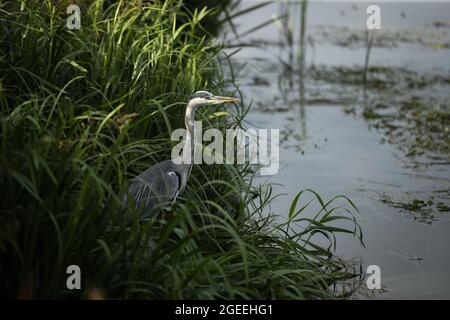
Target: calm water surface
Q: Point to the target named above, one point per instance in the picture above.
(337, 152)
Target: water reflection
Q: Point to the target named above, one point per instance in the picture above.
(363, 114)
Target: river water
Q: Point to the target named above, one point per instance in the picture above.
(330, 145)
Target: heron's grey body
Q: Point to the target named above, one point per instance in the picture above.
(160, 184)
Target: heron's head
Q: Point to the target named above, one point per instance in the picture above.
(201, 98)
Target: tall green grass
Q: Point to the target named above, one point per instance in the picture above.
(84, 111)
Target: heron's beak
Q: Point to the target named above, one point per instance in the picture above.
(220, 99)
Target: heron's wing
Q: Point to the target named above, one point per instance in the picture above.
(154, 187)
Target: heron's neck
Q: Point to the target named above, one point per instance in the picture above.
(189, 143)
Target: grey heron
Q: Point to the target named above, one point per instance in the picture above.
(160, 184)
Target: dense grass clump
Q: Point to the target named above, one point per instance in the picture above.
(82, 112)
